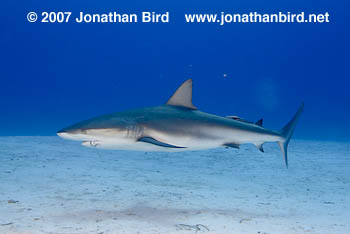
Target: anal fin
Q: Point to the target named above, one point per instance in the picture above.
(153, 141)
(260, 147)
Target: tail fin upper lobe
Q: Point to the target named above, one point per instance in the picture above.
(287, 132)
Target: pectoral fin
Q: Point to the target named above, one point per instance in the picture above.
(153, 141)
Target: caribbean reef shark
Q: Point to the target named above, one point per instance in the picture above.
(176, 126)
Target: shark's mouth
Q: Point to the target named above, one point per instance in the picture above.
(91, 143)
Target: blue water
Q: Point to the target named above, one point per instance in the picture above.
(53, 75)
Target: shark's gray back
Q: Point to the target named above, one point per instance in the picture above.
(179, 121)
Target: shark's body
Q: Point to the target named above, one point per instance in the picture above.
(175, 126)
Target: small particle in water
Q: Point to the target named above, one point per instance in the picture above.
(224, 75)
(5, 224)
(244, 220)
(12, 201)
(187, 227)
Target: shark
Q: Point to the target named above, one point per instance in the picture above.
(176, 126)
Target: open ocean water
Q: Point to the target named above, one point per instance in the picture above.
(53, 75)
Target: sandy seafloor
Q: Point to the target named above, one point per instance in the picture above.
(49, 185)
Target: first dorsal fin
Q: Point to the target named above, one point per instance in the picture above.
(183, 96)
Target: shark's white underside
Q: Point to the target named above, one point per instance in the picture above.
(216, 138)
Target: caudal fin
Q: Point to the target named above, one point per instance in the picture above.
(287, 132)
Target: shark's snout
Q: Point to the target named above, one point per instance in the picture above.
(63, 134)
(66, 134)
(72, 134)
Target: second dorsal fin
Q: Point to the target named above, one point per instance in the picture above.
(259, 122)
(183, 96)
